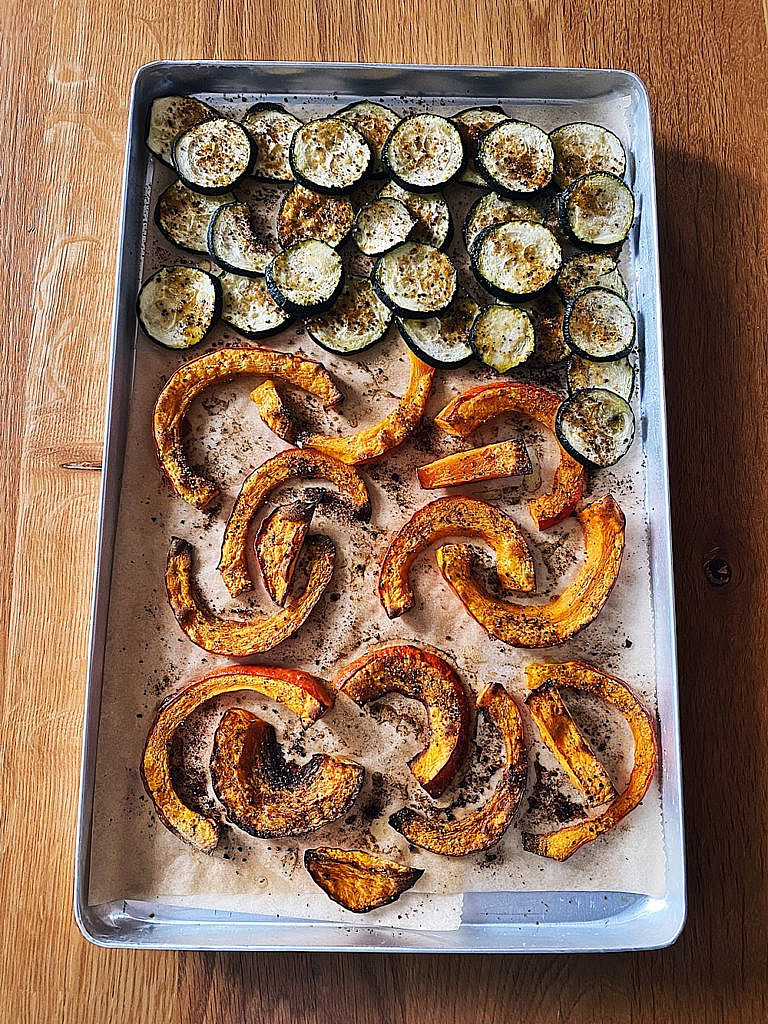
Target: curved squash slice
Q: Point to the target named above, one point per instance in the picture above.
(240, 638)
(291, 464)
(383, 437)
(481, 828)
(274, 412)
(546, 625)
(278, 545)
(424, 677)
(491, 462)
(446, 517)
(359, 881)
(194, 377)
(564, 842)
(470, 410)
(267, 797)
(301, 693)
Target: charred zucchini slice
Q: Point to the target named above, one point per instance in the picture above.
(424, 152)
(547, 312)
(473, 123)
(503, 337)
(305, 214)
(590, 270)
(214, 156)
(583, 147)
(375, 122)
(329, 155)
(382, 225)
(306, 277)
(183, 216)
(599, 325)
(442, 341)
(248, 307)
(596, 427)
(169, 116)
(618, 376)
(355, 322)
(516, 259)
(232, 242)
(597, 210)
(178, 306)
(271, 127)
(433, 216)
(516, 157)
(491, 209)
(416, 281)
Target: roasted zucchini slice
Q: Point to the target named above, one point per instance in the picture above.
(233, 244)
(491, 209)
(503, 337)
(473, 123)
(443, 340)
(597, 210)
(590, 270)
(329, 155)
(374, 121)
(596, 427)
(516, 157)
(424, 152)
(306, 277)
(183, 216)
(547, 311)
(178, 306)
(382, 225)
(516, 259)
(355, 322)
(305, 214)
(214, 156)
(169, 116)
(248, 307)
(583, 147)
(617, 375)
(416, 281)
(433, 217)
(271, 127)
(599, 325)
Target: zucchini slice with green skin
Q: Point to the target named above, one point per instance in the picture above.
(597, 210)
(169, 116)
(583, 147)
(424, 152)
(382, 225)
(503, 337)
(472, 124)
(306, 214)
(491, 209)
(516, 259)
(248, 307)
(306, 277)
(416, 281)
(590, 270)
(178, 306)
(433, 216)
(214, 156)
(596, 427)
(357, 320)
(329, 155)
(599, 325)
(618, 376)
(271, 127)
(516, 157)
(547, 312)
(183, 216)
(375, 122)
(442, 341)
(232, 242)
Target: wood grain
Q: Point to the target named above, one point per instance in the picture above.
(66, 70)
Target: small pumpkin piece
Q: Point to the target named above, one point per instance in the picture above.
(278, 545)
(274, 412)
(359, 881)
(491, 462)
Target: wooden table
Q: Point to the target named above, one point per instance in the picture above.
(67, 69)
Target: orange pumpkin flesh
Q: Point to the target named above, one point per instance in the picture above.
(446, 517)
(478, 829)
(359, 881)
(273, 411)
(425, 677)
(301, 693)
(491, 462)
(196, 376)
(278, 545)
(265, 796)
(564, 842)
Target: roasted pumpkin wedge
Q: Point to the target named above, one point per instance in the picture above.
(546, 625)
(273, 411)
(299, 692)
(427, 678)
(472, 408)
(491, 462)
(383, 437)
(564, 842)
(565, 740)
(269, 798)
(196, 376)
(236, 637)
(359, 881)
(278, 545)
(481, 828)
(290, 464)
(453, 517)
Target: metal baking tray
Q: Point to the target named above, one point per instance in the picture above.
(491, 922)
